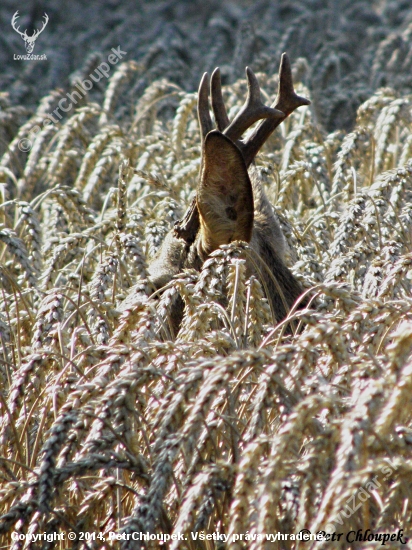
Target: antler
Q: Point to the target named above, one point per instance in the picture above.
(219, 109)
(24, 34)
(252, 110)
(46, 20)
(205, 122)
(13, 24)
(286, 101)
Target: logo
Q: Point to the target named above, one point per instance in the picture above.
(29, 41)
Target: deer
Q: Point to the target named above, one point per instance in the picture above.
(230, 203)
(29, 41)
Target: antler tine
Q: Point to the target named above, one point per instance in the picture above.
(252, 110)
(219, 109)
(205, 120)
(286, 101)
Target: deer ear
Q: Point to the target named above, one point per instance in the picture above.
(224, 194)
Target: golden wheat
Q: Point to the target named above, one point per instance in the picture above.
(237, 425)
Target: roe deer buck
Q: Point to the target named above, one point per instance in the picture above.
(230, 203)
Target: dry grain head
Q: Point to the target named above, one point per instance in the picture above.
(230, 203)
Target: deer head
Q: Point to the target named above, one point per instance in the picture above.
(29, 41)
(230, 203)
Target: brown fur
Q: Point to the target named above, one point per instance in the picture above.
(232, 206)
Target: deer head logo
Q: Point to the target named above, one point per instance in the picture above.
(29, 41)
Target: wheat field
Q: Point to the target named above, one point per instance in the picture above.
(235, 426)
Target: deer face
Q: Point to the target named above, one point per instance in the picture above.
(29, 43)
(230, 203)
